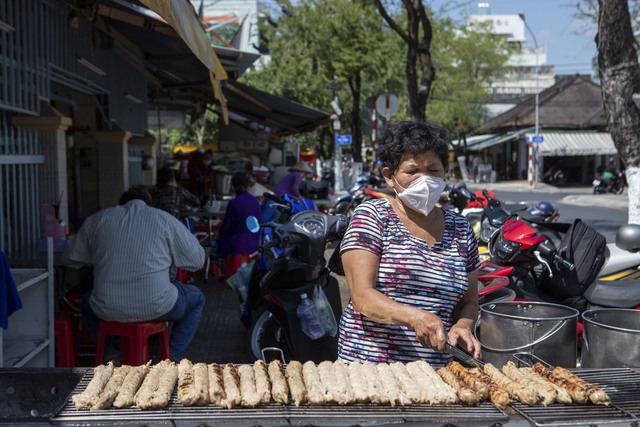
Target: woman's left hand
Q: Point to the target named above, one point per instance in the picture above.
(461, 335)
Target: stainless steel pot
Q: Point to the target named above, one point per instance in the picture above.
(611, 338)
(547, 331)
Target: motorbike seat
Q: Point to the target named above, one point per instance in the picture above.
(614, 293)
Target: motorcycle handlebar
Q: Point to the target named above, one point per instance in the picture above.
(564, 262)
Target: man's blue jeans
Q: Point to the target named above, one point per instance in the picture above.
(185, 316)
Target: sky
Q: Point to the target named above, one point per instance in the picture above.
(569, 41)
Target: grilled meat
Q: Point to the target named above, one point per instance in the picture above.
(298, 390)
(577, 392)
(465, 393)
(316, 391)
(374, 384)
(263, 385)
(90, 395)
(527, 395)
(481, 389)
(499, 396)
(595, 393)
(130, 385)
(562, 395)
(186, 387)
(217, 393)
(249, 395)
(112, 388)
(231, 381)
(201, 383)
(546, 393)
(279, 387)
(390, 387)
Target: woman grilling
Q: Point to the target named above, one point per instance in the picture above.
(410, 266)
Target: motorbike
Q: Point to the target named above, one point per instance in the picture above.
(555, 176)
(357, 193)
(529, 257)
(296, 265)
(609, 182)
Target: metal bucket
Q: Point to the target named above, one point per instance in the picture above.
(611, 338)
(547, 331)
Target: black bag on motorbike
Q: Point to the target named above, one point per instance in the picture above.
(585, 248)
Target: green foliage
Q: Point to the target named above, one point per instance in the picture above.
(336, 43)
(467, 61)
(198, 131)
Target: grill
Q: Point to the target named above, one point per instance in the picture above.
(362, 414)
(622, 385)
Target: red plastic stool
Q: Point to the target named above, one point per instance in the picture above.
(65, 346)
(234, 262)
(134, 342)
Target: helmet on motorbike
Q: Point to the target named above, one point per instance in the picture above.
(543, 210)
(628, 237)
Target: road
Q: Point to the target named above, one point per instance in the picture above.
(604, 212)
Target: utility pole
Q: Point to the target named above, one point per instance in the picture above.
(536, 142)
(337, 161)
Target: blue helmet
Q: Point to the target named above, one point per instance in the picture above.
(543, 209)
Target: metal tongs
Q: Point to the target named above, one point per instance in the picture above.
(463, 356)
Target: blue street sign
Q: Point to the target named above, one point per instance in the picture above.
(535, 138)
(343, 139)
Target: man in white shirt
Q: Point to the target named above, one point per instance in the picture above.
(131, 248)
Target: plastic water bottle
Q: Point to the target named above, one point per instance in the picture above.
(309, 319)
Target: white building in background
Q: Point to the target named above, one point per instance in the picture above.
(530, 71)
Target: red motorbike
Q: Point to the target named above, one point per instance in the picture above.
(528, 256)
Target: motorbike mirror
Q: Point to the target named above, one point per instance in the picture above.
(252, 224)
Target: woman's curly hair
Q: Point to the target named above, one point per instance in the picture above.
(412, 137)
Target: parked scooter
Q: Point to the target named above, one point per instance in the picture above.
(296, 266)
(530, 259)
(357, 193)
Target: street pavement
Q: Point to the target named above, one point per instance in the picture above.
(222, 338)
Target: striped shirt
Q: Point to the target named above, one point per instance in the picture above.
(131, 248)
(410, 272)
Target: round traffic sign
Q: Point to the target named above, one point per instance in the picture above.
(387, 104)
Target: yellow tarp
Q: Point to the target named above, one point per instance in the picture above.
(181, 15)
(186, 149)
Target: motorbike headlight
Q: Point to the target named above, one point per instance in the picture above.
(486, 230)
(504, 249)
(596, 182)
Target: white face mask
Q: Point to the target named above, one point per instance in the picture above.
(422, 194)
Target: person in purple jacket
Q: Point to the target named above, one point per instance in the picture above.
(290, 184)
(235, 241)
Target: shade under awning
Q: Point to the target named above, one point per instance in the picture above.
(250, 107)
(577, 144)
(480, 144)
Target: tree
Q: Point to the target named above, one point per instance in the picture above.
(417, 36)
(620, 77)
(321, 45)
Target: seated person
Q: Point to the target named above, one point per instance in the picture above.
(169, 196)
(235, 240)
(131, 248)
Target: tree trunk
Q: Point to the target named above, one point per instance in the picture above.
(620, 76)
(355, 85)
(410, 65)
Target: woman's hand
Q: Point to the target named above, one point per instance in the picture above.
(429, 330)
(462, 336)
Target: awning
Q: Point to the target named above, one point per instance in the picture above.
(258, 110)
(576, 144)
(481, 143)
(181, 15)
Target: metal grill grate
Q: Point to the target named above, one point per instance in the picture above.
(273, 413)
(622, 385)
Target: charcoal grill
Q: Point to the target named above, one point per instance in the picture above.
(274, 414)
(622, 385)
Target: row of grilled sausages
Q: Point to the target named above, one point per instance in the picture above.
(150, 387)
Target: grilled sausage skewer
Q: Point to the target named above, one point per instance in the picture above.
(465, 393)
(499, 396)
(130, 385)
(562, 395)
(547, 394)
(577, 393)
(101, 375)
(217, 394)
(112, 388)
(596, 394)
(279, 387)
(461, 372)
(293, 372)
(527, 395)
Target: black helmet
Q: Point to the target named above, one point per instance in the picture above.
(628, 237)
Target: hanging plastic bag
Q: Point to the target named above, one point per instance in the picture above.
(325, 312)
(239, 282)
